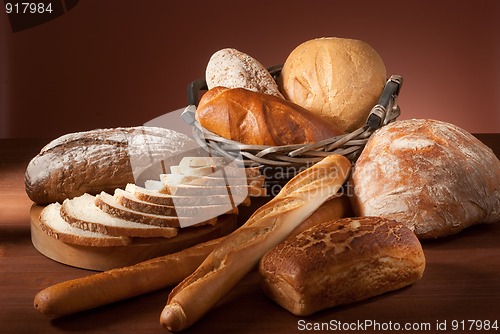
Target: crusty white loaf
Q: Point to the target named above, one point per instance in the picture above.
(432, 176)
(231, 68)
(340, 79)
(341, 262)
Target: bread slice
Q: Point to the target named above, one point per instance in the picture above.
(108, 204)
(83, 213)
(195, 190)
(153, 185)
(156, 197)
(207, 180)
(203, 162)
(128, 200)
(54, 225)
(248, 172)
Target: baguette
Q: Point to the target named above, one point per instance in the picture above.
(241, 251)
(118, 284)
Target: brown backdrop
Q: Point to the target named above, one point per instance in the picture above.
(122, 62)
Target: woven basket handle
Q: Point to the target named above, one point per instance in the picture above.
(386, 110)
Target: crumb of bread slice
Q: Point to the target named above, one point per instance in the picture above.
(55, 226)
(228, 171)
(109, 205)
(128, 200)
(157, 197)
(178, 179)
(82, 212)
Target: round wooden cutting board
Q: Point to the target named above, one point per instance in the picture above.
(105, 258)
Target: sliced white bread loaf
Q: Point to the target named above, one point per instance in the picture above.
(82, 212)
(128, 200)
(54, 225)
(156, 197)
(108, 204)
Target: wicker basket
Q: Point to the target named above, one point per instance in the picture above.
(280, 163)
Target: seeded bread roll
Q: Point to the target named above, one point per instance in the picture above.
(341, 262)
(339, 79)
(231, 68)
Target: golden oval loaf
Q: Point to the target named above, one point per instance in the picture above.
(260, 119)
(341, 262)
(338, 78)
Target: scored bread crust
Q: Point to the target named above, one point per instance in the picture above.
(340, 79)
(98, 160)
(431, 175)
(341, 262)
(260, 119)
(121, 283)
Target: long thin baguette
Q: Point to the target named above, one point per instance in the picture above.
(233, 258)
(118, 284)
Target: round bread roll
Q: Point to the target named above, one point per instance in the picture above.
(337, 78)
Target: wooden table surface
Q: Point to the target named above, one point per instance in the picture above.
(461, 283)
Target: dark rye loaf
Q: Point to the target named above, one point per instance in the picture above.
(99, 160)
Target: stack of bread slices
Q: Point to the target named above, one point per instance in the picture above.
(196, 193)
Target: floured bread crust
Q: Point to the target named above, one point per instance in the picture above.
(231, 68)
(99, 160)
(432, 176)
(341, 262)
